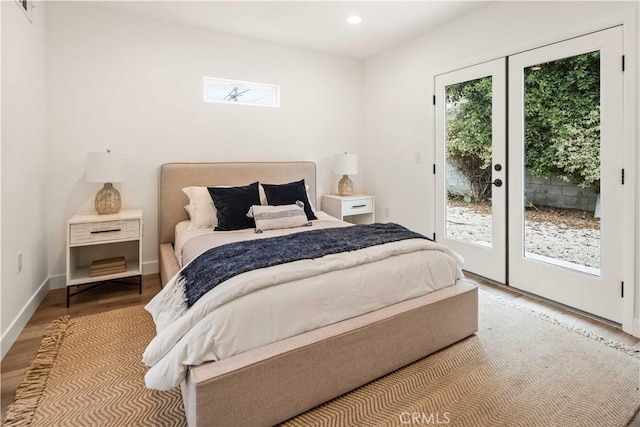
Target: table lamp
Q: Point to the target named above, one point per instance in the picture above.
(345, 165)
(106, 168)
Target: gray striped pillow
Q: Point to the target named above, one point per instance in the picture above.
(278, 217)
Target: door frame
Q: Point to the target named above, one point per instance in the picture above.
(631, 144)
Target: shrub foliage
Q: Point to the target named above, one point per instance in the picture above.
(562, 124)
(469, 133)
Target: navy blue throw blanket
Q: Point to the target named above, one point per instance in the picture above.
(223, 262)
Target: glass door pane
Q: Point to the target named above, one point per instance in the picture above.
(562, 162)
(468, 161)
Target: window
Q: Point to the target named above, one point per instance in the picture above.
(26, 6)
(241, 93)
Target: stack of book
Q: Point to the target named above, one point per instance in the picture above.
(101, 267)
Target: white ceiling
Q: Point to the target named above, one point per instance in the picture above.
(318, 25)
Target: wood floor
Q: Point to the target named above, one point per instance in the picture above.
(109, 296)
(113, 296)
(561, 313)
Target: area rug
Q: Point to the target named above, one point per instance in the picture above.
(520, 369)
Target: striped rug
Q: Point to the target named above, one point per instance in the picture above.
(89, 372)
(518, 370)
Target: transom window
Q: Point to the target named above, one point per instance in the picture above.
(241, 93)
(26, 6)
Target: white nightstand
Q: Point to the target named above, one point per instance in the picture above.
(357, 209)
(92, 237)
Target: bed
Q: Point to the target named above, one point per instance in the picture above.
(278, 380)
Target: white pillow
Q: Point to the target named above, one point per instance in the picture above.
(278, 217)
(306, 187)
(200, 208)
(263, 196)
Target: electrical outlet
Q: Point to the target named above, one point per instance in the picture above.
(19, 262)
(386, 211)
(418, 157)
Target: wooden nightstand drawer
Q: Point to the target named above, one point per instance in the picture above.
(104, 231)
(357, 206)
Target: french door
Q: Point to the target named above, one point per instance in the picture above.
(587, 273)
(559, 234)
(471, 154)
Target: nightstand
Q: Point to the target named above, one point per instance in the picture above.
(357, 209)
(103, 241)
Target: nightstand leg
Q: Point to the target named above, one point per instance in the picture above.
(140, 289)
(67, 296)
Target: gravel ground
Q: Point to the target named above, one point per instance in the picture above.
(560, 241)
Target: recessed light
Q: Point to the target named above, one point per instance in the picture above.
(354, 20)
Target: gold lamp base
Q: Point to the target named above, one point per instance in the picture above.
(108, 200)
(345, 186)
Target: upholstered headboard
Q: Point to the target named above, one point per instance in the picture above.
(175, 176)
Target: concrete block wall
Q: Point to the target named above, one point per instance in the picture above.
(558, 193)
(553, 192)
(456, 183)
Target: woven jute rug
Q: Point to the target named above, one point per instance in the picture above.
(520, 369)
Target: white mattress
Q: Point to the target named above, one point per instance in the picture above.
(267, 305)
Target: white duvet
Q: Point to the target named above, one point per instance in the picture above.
(270, 304)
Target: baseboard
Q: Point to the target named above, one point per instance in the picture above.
(58, 281)
(12, 333)
(636, 328)
(150, 267)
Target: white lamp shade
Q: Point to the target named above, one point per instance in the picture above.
(105, 167)
(346, 164)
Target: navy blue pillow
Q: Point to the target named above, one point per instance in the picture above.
(289, 194)
(232, 204)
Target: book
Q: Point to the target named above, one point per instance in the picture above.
(105, 271)
(101, 267)
(108, 262)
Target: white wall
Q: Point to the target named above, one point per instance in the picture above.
(634, 131)
(398, 89)
(2, 328)
(24, 162)
(134, 84)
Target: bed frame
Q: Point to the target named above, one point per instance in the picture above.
(273, 383)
